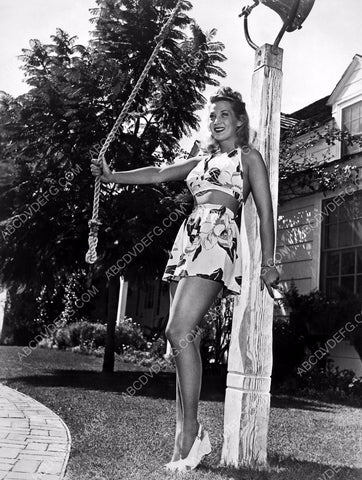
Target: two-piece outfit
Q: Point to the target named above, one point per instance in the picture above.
(208, 243)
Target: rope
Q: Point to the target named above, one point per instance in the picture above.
(94, 223)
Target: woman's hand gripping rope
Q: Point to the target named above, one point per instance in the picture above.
(101, 169)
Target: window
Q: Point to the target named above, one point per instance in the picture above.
(352, 121)
(342, 246)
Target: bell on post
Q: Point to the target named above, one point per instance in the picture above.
(284, 8)
(292, 12)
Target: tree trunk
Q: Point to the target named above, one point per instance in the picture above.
(112, 308)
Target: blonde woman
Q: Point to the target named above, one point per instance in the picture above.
(205, 261)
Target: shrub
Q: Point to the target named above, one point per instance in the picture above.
(62, 338)
(355, 388)
(87, 349)
(79, 333)
(321, 315)
(93, 335)
(289, 344)
(327, 380)
(46, 342)
(129, 333)
(86, 332)
(74, 330)
(313, 320)
(328, 384)
(99, 335)
(157, 347)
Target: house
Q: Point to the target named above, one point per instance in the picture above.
(318, 246)
(319, 240)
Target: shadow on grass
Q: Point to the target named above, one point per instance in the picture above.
(279, 468)
(161, 385)
(285, 468)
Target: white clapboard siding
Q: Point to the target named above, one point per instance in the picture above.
(319, 151)
(298, 238)
(350, 85)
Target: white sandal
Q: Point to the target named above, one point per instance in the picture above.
(199, 449)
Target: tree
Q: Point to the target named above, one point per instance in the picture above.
(49, 134)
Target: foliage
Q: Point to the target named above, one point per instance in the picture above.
(76, 93)
(355, 388)
(49, 303)
(289, 344)
(314, 320)
(328, 383)
(300, 172)
(324, 316)
(76, 285)
(90, 338)
(129, 333)
(144, 358)
(157, 347)
(49, 134)
(216, 331)
(19, 327)
(288, 340)
(93, 335)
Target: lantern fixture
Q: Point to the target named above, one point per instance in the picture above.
(292, 12)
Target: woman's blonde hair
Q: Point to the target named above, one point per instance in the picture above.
(238, 106)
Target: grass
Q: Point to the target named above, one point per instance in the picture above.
(114, 439)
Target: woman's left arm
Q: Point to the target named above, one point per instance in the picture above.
(260, 187)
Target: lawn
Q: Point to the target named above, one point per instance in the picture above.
(114, 438)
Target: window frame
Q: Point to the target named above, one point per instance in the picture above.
(355, 246)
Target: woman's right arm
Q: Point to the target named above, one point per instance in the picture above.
(152, 174)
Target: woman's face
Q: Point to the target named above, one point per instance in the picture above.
(223, 122)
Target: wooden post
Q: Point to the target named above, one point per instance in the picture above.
(247, 400)
(122, 301)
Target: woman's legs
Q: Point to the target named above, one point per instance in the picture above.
(192, 299)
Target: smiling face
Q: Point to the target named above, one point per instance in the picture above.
(223, 123)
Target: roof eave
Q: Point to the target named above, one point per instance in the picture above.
(340, 85)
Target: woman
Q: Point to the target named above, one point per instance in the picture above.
(205, 260)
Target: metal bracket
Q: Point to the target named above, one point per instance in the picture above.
(246, 12)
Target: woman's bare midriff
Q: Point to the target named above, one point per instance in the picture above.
(219, 198)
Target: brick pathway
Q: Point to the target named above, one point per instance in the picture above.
(34, 441)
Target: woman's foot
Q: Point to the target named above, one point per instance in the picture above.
(199, 449)
(183, 444)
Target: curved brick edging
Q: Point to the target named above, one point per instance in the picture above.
(34, 441)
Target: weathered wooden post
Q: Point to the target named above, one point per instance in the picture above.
(247, 399)
(250, 355)
(122, 300)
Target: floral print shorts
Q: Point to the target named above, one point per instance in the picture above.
(208, 245)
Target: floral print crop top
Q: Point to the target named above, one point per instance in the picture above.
(218, 172)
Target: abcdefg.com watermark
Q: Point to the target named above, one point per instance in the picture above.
(331, 343)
